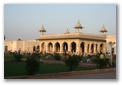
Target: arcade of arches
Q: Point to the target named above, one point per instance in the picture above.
(72, 46)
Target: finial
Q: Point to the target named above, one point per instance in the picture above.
(78, 25)
(103, 29)
(42, 29)
(67, 31)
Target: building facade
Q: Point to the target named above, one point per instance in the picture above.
(76, 42)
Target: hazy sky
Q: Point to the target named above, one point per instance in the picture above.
(24, 20)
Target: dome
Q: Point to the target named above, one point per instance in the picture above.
(42, 29)
(67, 31)
(78, 25)
(103, 29)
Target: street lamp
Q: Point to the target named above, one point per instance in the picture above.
(111, 43)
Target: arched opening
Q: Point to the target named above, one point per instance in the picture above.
(34, 48)
(82, 47)
(57, 45)
(50, 47)
(43, 47)
(73, 46)
(65, 47)
(6, 48)
(101, 47)
(92, 48)
(38, 48)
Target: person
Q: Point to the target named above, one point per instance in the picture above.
(107, 56)
(113, 59)
(19, 51)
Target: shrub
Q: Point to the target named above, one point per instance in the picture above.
(100, 61)
(32, 65)
(72, 62)
(17, 57)
(57, 56)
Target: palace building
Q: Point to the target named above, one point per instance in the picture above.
(77, 42)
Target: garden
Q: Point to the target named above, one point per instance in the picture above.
(21, 65)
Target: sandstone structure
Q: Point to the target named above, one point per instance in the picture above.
(77, 42)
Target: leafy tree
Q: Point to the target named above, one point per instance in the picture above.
(57, 56)
(72, 62)
(17, 57)
(32, 64)
(100, 61)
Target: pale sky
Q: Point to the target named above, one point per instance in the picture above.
(24, 20)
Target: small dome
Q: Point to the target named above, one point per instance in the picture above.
(78, 25)
(103, 29)
(42, 29)
(67, 31)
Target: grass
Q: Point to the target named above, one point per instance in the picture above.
(11, 56)
(18, 68)
(8, 56)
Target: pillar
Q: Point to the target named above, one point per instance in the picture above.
(54, 48)
(98, 48)
(89, 47)
(85, 47)
(40, 47)
(94, 48)
(104, 48)
(61, 49)
(69, 47)
(77, 48)
(46, 48)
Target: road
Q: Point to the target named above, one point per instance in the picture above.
(108, 75)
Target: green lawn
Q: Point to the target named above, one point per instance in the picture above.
(8, 56)
(18, 68)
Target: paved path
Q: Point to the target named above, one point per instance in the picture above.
(108, 75)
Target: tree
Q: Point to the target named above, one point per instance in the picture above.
(32, 64)
(17, 57)
(100, 61)
(72, 62)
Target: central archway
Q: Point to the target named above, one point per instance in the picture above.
(38, 48)
(65, 47)
(50, 47)
(34, 48)
(73, 46)
(57, 45)
(92, 48)
(101, 47)
(82, 47)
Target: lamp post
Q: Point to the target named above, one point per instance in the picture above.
(111, 43)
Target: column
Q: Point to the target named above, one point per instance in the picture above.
(46, 48)
(40, 47)
(104, 48)
(54, 48)
(94, 48)
(85, 48)
(77, 48)
(89, 47)
(69, 47)
(98, 47)
(61, 49)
